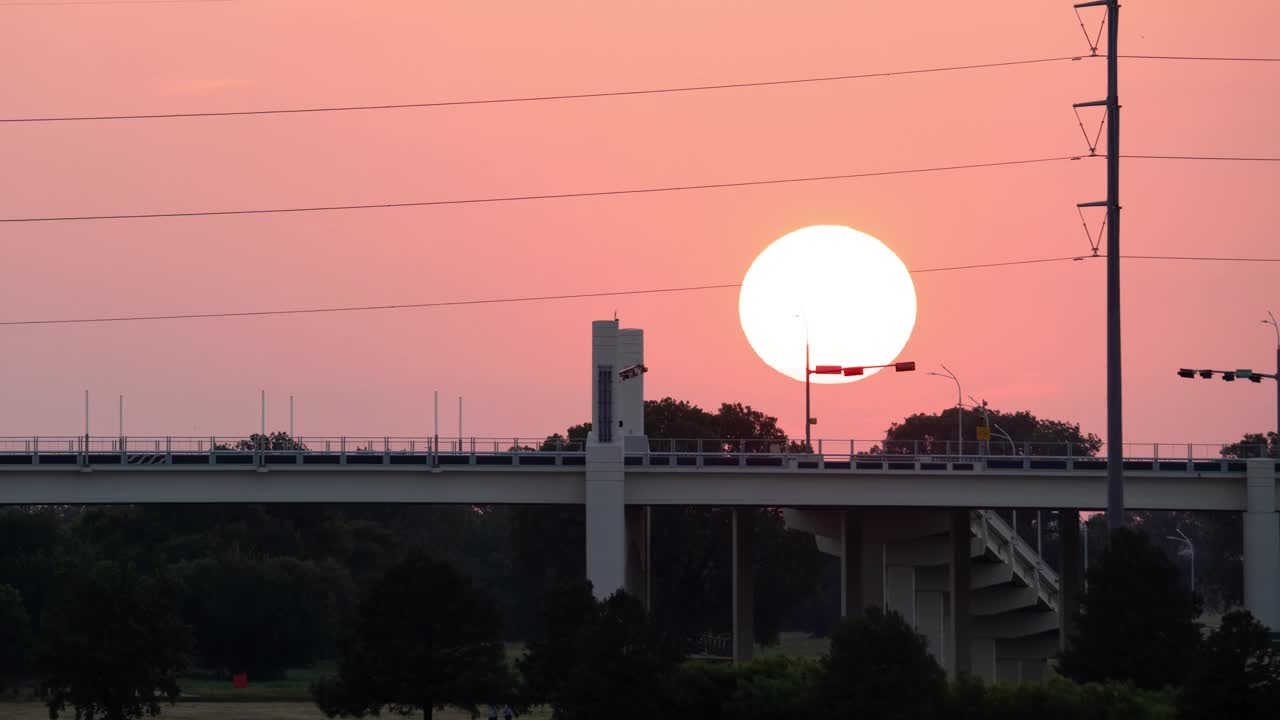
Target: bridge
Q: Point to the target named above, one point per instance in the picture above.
(475, 471)
(914, 524)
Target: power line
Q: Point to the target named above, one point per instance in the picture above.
(548, 196)
(1202, 258)
(51, 3)
(549, 298)
(542, 98)
(1201, 58)
(1211, 158)
(998, 264)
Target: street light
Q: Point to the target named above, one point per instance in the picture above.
(1191, 550)
(959, 406)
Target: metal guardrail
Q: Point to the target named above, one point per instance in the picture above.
(848, 455)
(1003, 542)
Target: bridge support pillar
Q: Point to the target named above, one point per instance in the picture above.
(639, 571)
(960, 587)
(851, 571)
(606, 519)
(742, 522)
(1069, 575)
(931, 611)
(1262, 544)
(900, 591)
(872, 589)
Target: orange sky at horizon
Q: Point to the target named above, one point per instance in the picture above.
(1029, 337)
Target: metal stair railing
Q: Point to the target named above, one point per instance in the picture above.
(1004, 542)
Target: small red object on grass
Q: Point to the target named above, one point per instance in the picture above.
(240, 681)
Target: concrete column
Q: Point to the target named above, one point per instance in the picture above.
(606, 519)
(873, 575)
(983, 659)
(1069, 574)
(744, 586)
(851, 594)
(959, 590)
(1262, 544)
(639, 571)
(930, 614)
(900, 591)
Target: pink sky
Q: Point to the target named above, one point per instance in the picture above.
(1023, 338)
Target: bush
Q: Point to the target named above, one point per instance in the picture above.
(880, 667)
(1238, 673)
(765, 689)
(1136, 622)
(620, 662)
(1058, 699)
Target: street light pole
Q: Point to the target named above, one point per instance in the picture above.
(959, 407)
(808, 414)
(1272, 322)
(1191, 550)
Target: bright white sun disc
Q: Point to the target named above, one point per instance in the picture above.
(844, 289)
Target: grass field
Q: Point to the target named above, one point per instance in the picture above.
(230, 711)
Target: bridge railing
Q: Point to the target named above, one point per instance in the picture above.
(823, 453)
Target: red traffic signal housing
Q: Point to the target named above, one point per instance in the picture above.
(851, 371)
(827, 370)
(907, 366)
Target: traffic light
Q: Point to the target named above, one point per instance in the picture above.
(907, 366)
(1229, 376)
(1206, 374)
(1184, 372)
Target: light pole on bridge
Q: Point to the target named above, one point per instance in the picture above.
(959, 406)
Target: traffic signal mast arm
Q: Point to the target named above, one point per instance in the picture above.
(1227, 375)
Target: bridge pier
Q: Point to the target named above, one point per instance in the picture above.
(961, 582)
(606, 519)
(1069, 574)
(1262, 544)
(743, 526)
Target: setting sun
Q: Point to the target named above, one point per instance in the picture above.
(844, 289)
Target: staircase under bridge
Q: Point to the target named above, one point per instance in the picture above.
(1015, 598)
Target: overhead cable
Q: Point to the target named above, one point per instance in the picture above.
(537, 98)
(548, 298)
(524, 198)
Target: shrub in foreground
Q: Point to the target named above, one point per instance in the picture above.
(880, 667)
(764, 689)
(1058, 699)
(1136, 621)
(1237, 675)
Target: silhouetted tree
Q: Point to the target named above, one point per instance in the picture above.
(1237, 674)
(262, 616)
(613, 665)
(422, 639)
(15, 637)
(1254, 445)
(930, 433)
(880, 667)
(566, 610)
(111, 644)
(1136, 621)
